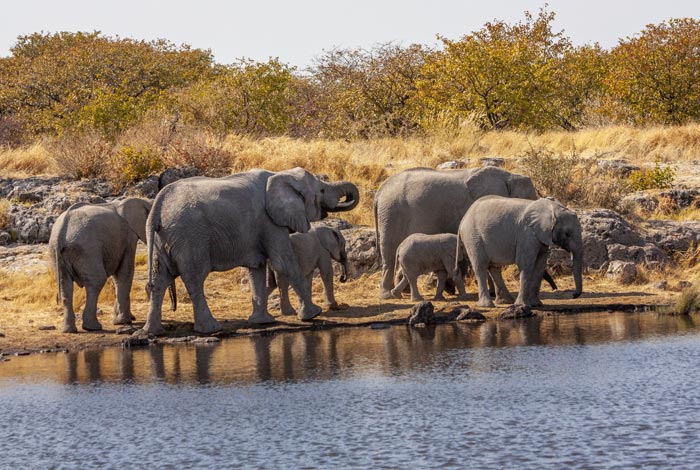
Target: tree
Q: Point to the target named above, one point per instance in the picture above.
(655, 76)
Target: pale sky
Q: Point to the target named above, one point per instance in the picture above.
(298, 30)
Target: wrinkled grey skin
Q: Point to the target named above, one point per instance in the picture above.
(424, 200)
(312, 250)
(199, 225)
(88, 244)
(420, 254)
(498, 231)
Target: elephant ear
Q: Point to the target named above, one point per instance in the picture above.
(135, 212)
(331, 241)
(290, 199)
(540, 218)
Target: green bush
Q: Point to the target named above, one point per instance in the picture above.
(659, 177)
(132, 163)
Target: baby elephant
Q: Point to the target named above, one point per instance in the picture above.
(497, 231)
(314, 249)
(420, 254)
(88, 244)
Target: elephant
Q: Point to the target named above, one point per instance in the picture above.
(497, 231)
(423, 200)
(88, 244)
(314, 249)
(420, 253)
(201, 224)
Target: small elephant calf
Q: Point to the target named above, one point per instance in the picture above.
(420, 254)
(88, 244)
(314, 249)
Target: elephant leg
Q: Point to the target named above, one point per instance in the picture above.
(492, 287)
(325, 268)
(528, 276)
(204, 321)
(122, 283)
(502, 294)
(412, 278)
(481, 274)
(397, 292)
(258, 287)
(388, 250)
(67, 301)
(441, 281)
(285, 305)
(92, 292)
(156, 292)
(539, 270)
(458, 280)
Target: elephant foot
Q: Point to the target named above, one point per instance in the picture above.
(123, 319)
(288, 311)
(263, 318)
(385, 294)
(395, 294)
(485, 303)
(155, 330)
(417, 298)
(331, 305)
(91, 325)
(536, 303)
(207, 326)
(505, 299)
(439, 297)
(69, 328)
(462, 297)
(309, 312)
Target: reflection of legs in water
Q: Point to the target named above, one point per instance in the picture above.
(310, 346)
(92, 364)
(71, 367)
(263, 366)
(530, 331)
(487, 334)
(157, 362)
(126, 365)
(202, 359)
(288, 356)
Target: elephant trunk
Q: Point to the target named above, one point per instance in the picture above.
(345, 190)
(343, 270)
(577, 256)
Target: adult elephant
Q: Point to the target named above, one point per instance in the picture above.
(423, 200)
(199, 225)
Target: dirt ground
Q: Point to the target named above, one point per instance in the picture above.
(30, 320)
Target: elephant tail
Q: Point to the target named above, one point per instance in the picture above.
(376, 229)
(271, 279)
(152, 225)
(460, 257)
(61, 267)
(173, 296)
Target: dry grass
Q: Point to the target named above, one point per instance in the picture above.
(29, 160)
(4, 213)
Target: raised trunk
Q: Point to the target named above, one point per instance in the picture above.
(342, 190)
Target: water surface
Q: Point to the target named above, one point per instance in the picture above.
(584, 391)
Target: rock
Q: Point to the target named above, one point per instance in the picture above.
(672, 236)
(338, 224)
(138, 338)
(492, 161)
(379, 326)
(179, 339)
(620, 167)
(126, 330)
(467, 314)
(22, 353)
(5, 238)
(516, 311)
(660, 285)
(46, 328)
(423, 312)
(361, 247)
(206, 340)
(173, 174)
(147, 188)
(453, 165)
(622, 271)
(682, 285)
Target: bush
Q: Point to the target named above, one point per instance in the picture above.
(200, 150)
(82, 154)
(572, 179)
(652, 178)
(134, 163)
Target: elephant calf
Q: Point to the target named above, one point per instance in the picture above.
(420, 254)
(497, 231)
(88, 244)
(314, 249)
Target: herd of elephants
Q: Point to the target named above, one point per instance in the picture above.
(426, 220)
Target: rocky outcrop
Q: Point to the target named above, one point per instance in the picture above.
(666, 201)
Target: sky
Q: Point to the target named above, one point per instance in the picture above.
(296, 31)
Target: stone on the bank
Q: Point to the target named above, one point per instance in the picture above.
(453, 165)
(516, 311)
(468, 314)
(46, 328)
(126, 330)
(622, 271)
(206, 339)
(660, 285)
(493, 161)
(424, 313)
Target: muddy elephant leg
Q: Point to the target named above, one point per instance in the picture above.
(122, 284)
(481, 273)
(67, 301)
(92, 292)
(441, 281)
(528, 275)
(258, 287)
(502, 294)
(538, 273)
(285, 305)
(325, 268)
(204, 321)
(388, 249)
(156, 291)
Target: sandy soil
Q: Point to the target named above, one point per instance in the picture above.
(32, 323)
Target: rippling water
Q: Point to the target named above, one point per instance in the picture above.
(611, 390)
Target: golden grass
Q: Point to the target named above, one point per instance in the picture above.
(29, 160)
(4, 213)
